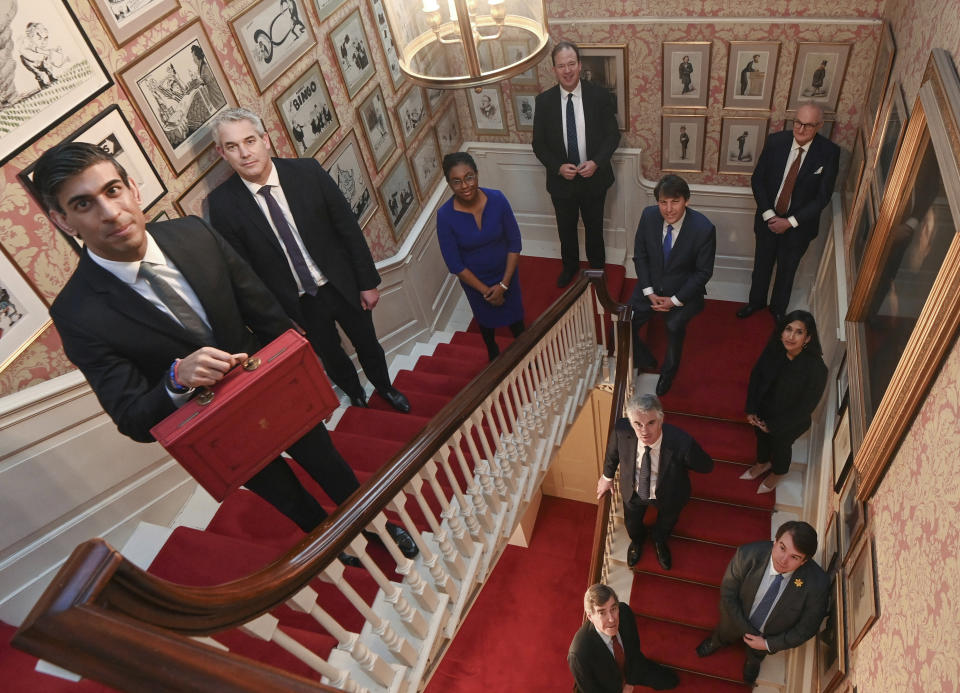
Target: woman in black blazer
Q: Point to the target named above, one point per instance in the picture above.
(785, 386)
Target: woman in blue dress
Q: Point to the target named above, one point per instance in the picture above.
(480, 242)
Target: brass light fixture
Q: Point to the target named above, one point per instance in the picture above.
(451, 44)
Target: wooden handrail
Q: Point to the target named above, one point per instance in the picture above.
(104, 618)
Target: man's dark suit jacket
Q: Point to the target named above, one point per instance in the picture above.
(812, 190)
(691, 258)
(795, 617)
(678, 453)
(324, 220)
(124, 345)
(549, 139)
(592, 664)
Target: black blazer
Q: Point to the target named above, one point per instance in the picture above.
(795, 617)
(679, 452)
(324, 220)
(124, 345)
(784, 393)
(592, 664)
(549, 140)
(815, 180)
(691, 259)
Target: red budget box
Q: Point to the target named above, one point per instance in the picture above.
(227, 433)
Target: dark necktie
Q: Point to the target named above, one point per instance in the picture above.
(618, 654)
(766, 603)
(181, 310)
(293, 250)
(643, 476)
(667, 244)
(783, 201)
(573, 147)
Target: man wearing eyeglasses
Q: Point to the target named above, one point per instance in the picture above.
(792, 183)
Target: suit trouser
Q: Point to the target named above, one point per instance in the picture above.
(785, 250)
(278, 485)
(777, 448)
(589, 205)
(321, 314)
(676, 322)
(667, 516)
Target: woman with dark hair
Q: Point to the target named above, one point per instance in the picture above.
(480, 242)
(785, 386)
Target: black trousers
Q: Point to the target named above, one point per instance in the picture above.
(322, 313)
(785, 250)
(278, 485)
(668, 512)
(588, 205)
(777, 448)
(489, 335)
(676, 322)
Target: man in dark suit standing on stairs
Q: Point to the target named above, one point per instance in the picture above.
(654, 460)
(575, 134)
(605, 655)
(772, 597)
(673, 254)
(289, 220)
(792, 183)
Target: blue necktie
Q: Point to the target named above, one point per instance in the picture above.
(573, 148)
(667, 244)
(293, 250)
(763, 608)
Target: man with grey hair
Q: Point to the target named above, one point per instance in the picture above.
(654, 459)
(605, 655)
(289, 220)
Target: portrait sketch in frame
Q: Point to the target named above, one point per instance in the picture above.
(741, 141)
(193, 200)
(882, 67)
(826, 129)
(514, 50)
(377, 130)
(829, 559)
(177, 88)
(307, 112)
(842, 450)
(818, 75)
(24, 314)
(681, 147)
(893, 123)
(325, 8)
(853, 516)
(831, 646)
(345, 165)
(487, 111)
(425, 162)
(127, 19)
(751, 74)
(436, 98)
(47, 37)
(605, 66)
(854, 172)
(352, 50)
(862, 610)
(272, 35)
(385, 34)
(524, 107)
(412, 114)
(862, 219)
(399, 199)
(686, 73)
(110, 131)
(448, 130)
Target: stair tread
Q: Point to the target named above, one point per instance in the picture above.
(675, 645)
(692, 560)
(722, 524)
(659, 596)
(724, 484)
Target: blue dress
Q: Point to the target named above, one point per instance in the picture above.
(484, 252)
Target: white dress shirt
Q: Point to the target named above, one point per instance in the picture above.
(765, 583)
(794, 152)
(663, 234)
(578, 115)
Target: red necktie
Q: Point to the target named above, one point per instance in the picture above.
(783, 202)
(618, 653)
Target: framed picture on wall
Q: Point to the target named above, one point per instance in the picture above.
(110, 131)
(893, 123)
(24, 314)
(425, 162)
(741, 140)
(830, 545)
(681, 146)
(127, 19)
(514, 50)
(377, 130)
(831, 645)
(399, 199)
(47, 44)
(487, 111)
(854, 172)
(385, 34)
(818, 75)
(193, 200)
(436, 98)
(345, 165)
(853, 516)
(448, 131)
(524, 106)
(862, 607)
(177, 88)
(350, 45)
(686, 73)
(605, 65)
(842, 451)
(412, 114)
(882, 67)
(307, 112)
(751, 73)
(272, 35)
(325, 8)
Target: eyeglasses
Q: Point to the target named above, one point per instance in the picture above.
(468, 179)
(800, 125)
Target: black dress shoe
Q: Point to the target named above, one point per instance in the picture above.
(663, 555)
(633, 554)
(664, 383)
(707, 647)
(565, 278)
(777, 317)
(358, 400)
(403, 540)
(748, 310)
(349, 560)
(395, 399)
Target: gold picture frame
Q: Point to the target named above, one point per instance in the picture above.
(741, 141)
(751, 75)
(272, 35)
(681, 143)
(686, 87)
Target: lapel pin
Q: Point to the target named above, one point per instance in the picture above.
(798, 582)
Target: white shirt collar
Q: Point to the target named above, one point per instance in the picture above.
(128, 271)
(772, 572)
(655, 446)
(577, 91)
(272, 179)
(806, 147)
(676, 227)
